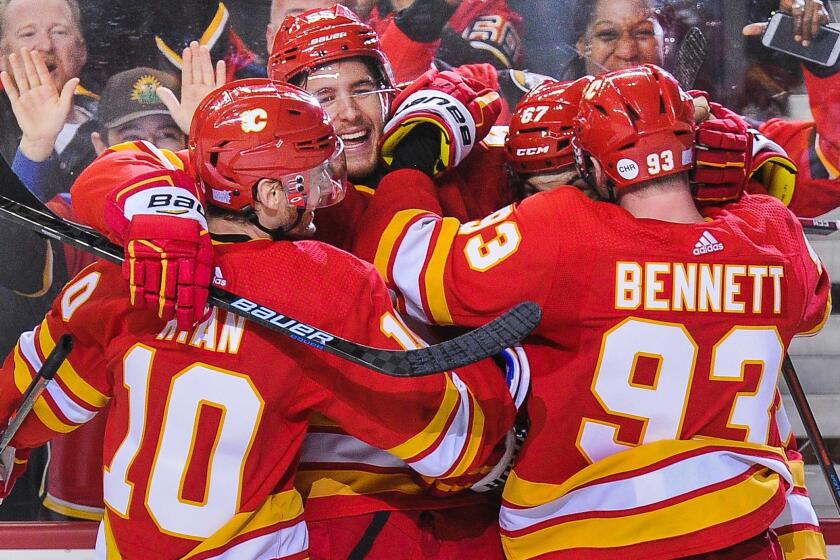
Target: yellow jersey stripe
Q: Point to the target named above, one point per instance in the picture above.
(165, 178)
(389, 238)
(474, 441)
(435, 291)
(277, 508)
(524, 494)
(427, 438)
(364, 189)
(42, 410)
(71, 379)
(803, 545)
(833, 172)
(694, 514)
(346, 482)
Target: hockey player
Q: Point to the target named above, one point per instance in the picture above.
(202, 438)
(351, 487)
(665, 326)
(539, 149)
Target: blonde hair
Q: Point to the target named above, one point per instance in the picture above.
(75, 17)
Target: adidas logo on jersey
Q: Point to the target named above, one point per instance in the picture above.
(707, 244)
(218, 278)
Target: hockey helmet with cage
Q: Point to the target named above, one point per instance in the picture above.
(256, 128)
(320, 36)
(637, 124)
(542, 126)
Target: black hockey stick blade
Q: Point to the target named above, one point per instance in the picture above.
(690, 57)
(480, 343)
(43, 376)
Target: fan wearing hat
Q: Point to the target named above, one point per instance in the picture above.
(130, 110)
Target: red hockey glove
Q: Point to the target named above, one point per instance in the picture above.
(723, 157)
(462, 109)
(169, 257)
(13, 463)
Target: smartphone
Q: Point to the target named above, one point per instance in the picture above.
(824, 48)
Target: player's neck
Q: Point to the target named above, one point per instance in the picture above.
(219, 225)
(666, 202)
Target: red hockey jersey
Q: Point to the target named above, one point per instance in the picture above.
(653, 371)
(351, 477)
(205, 427)
(815, 148)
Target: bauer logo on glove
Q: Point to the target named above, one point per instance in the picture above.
(460, 109)
(166, 203)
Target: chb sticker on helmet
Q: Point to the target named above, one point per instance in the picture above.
(627, 169)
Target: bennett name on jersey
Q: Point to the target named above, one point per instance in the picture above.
(700, 287)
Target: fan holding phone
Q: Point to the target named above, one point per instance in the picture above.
(814, 146)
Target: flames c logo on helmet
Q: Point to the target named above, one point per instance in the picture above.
(254, 120)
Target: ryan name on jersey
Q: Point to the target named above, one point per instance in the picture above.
(699, 287)
(221, 331)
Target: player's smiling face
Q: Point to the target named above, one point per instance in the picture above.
(348, 91)
(621, 34)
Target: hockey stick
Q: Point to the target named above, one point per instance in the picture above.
(812, 430)
(690, 57)
(36, 387)
(483, 342)
(819, 227)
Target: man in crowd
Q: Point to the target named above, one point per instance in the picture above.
(182, 476)
(627, 340)
(62, 129)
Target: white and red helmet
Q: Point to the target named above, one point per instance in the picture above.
(637, 123)
(542, 127)
(317, 37)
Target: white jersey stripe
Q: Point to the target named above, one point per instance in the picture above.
(798, 510)
(69, 407)
(671, 481)
(278, 545)
(408, 265)
(457, 438)
(344, 448)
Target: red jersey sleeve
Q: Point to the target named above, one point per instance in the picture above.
(448, 272)
(436, 423)
(119, 165)
(815, 285)
(409, 58)
(81, 386)
(814, 147)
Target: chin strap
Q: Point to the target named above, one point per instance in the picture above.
(277, 234)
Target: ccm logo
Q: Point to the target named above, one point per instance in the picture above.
(299, 331)
(532, 151)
